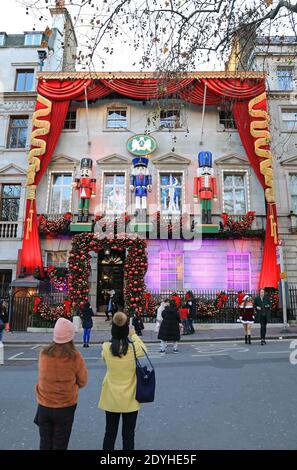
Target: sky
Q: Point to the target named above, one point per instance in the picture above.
(13, 19)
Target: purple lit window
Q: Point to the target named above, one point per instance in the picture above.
(171, 271)
(238, 271)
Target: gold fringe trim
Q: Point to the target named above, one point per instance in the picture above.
(259, 130)
(143, 75)
(42, 128)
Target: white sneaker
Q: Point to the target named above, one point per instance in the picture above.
(162, 351)
(175, 351)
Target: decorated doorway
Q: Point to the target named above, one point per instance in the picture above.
(110, 276)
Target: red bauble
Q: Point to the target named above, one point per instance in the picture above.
(139, 289)
(135, 282)
(132, 299)
(134, 305)
(137, 299)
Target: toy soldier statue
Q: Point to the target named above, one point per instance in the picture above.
(140, 181)
(86, 187)
(205, 186)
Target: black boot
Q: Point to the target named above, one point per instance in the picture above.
(246, 340)
(249, 337)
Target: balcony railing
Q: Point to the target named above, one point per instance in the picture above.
(9, 230)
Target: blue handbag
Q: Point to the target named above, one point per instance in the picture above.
(145, 380)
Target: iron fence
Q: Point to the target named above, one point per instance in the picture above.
(208, 309)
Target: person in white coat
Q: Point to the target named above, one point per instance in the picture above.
(159, 319)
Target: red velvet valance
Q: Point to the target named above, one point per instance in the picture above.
(61, 92)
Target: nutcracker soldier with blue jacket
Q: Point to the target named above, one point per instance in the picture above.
(140, 181)
(205, 185)
(86, 187)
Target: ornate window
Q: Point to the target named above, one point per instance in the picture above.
(60, 193)
(170, 118)
(171, 271)
(17, 134)
(285, 78)
(234, 193)
(114, 199)
(117, 118)
(171, 193)
(238, 272)
(56, 258)
(24, 80)
(293, 191)
(10, 202)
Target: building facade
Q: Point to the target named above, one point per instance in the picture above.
(275, 56)
(21, 57)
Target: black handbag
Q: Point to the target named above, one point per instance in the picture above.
(145, 380)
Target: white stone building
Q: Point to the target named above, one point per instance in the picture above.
(20, 59)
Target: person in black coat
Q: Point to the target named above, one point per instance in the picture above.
(3, 318)
(263, 313)
(170, 327)
(87, 323)
(112, 305)
(191, 304)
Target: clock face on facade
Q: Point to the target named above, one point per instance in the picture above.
(141, 144)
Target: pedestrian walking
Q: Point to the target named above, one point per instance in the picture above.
(61, 372)
(170, 327)
(263, 313)
(184, 317)
(3, 319)
(160, 310)
(247, 317)
(191, 304)
(112, 305)
(137, 323)
(119, 385)
(87, 323)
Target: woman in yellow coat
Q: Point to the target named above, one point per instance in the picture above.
(119, 384)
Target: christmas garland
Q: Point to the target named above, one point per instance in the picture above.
(241, 224)
(58, 278)
(161, 225)
(134, 268)
(51, 313)
(53, 227)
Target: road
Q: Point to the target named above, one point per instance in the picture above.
(220, 395)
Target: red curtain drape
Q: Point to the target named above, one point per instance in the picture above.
(269, 275)
(31, 253)
(61, 92)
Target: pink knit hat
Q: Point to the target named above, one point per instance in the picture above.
(64, 331)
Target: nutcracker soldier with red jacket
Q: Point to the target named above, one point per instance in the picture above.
(86, 187)
(205, 185)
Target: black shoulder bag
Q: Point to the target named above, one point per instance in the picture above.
(145, 380)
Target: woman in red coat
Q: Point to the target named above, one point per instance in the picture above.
(247, 317)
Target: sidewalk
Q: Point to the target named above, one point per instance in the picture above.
(204, 332)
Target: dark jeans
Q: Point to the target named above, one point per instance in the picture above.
(87, 334)
(128, 429)
(192, 329)
(55, 425)
(263, 323)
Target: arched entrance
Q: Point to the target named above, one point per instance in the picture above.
(134, 268)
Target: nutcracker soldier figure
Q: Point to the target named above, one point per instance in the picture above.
(140, 181)
(205, 185)
(86, 187)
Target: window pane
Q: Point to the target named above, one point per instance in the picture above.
(10, 190)
(116, 118)
(67, 180)
(165, 179)
(22, 138)
(294, 204)
(109, 179)
(228, 180)
(66, 196)
(120, 179)
(55, 200)
(21, 79)
(58, 180)
(239, 180)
